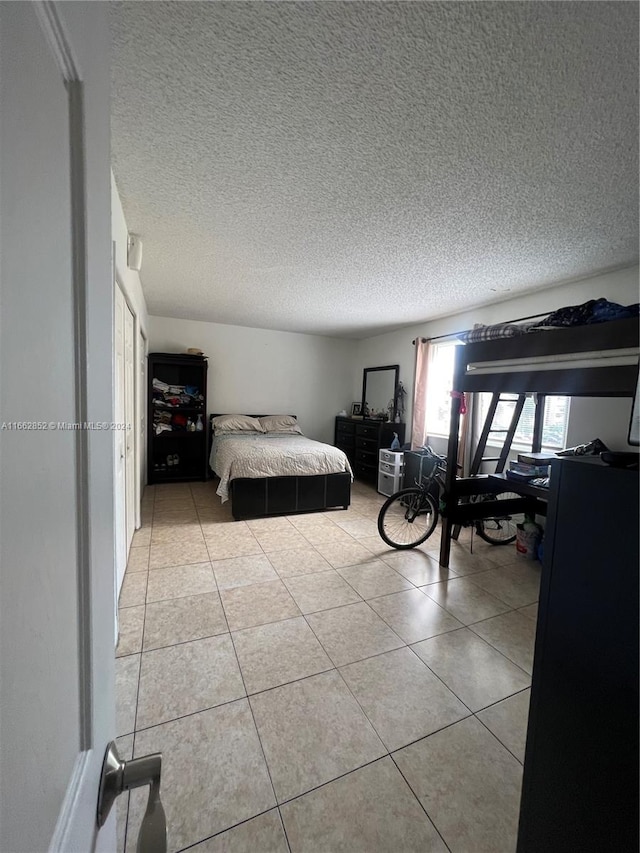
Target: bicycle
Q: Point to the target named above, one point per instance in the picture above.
(409, 517)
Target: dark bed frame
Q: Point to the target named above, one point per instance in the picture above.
(263, 496)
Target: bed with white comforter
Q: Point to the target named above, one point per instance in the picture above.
(272, 455)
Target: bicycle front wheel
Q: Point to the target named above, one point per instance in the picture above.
(407, 518)
(500, 529)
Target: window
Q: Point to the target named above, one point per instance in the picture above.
(439, 385)
(554, 425)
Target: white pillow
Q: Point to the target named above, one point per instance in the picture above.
(281, 423)
(235, 423)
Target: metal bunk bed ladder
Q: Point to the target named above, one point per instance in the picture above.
(489, 430)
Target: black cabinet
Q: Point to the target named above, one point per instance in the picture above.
(177, 421)
(580, 786)
(362, 439)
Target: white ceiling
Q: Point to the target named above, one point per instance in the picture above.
(344, 168)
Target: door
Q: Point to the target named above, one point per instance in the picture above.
(120, 438)
(56, 456)
(124, 436)
(130, 423)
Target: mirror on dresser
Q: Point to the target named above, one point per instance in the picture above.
(363, 438)
(379, 386)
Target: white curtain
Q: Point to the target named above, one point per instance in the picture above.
(419, 414)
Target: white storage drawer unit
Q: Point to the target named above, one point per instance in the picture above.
(390, 471)
(392, 457)
(389, 468)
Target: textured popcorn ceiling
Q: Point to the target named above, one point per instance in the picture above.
(344, 168)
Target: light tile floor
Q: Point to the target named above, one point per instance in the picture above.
(312, 690)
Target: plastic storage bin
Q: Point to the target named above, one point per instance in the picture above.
(388, 484)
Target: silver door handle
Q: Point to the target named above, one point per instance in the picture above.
(119, 776)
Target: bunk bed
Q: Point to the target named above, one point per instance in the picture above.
(596, 360)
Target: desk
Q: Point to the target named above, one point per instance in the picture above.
(520, 487)
(531, 500)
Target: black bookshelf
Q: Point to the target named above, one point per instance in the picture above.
(177, 454)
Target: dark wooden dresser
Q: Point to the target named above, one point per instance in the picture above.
(362, 439)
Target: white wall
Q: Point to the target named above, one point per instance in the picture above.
(262, 371)
(129, 280)
(607, 419)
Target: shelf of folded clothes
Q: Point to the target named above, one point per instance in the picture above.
(176, 396)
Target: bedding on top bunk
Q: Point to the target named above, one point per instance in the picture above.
(588, 313)
(272, 454)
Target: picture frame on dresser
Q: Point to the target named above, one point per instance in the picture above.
(356, 409)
